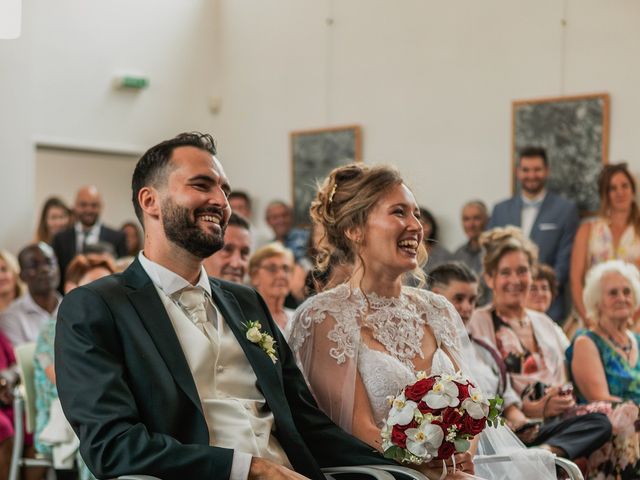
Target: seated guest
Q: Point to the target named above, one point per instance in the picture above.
(10, 287)
(240, 203)
(459, 284)
(54, 218)
(24, 318)
(270, 270)
(279, 217)
(133, 237)
(544, 288)
(231, 262)
(437, 253)
(604, 361)
(474, 220)
(532, 348)
(87, 268)
(87, 230)
(81, 271)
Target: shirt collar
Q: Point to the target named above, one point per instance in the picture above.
(94, 230)
(31, 305)
(168, 281)
(534, 202)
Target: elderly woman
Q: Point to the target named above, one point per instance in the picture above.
(604, 361)
(532, 348)
(270, 270)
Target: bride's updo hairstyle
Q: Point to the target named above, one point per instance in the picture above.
(343, 202)
(499, 241)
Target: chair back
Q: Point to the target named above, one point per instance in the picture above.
(24, 359)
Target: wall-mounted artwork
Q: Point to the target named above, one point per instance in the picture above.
(575, 132)
(314, 153)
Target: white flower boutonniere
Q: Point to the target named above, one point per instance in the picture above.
(263, 340)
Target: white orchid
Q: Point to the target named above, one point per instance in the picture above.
(402, 411)
(425, 440)
(477, 406)
(443, 394)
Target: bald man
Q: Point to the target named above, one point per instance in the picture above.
(88, 230)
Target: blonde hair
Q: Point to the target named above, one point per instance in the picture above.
(502, 240)
(274, 249)
(14, 268)
(592, 293)
(343, 203)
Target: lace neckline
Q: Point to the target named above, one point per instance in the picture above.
(395, 323)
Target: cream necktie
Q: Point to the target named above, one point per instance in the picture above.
(192, 300)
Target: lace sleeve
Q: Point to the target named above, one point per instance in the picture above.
(324, 340)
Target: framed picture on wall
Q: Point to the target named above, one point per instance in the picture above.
(314, 153)
(575, 132)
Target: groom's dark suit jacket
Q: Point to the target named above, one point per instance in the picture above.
(127, 390)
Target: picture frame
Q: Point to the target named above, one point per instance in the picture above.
(314, 154)
(574, 130)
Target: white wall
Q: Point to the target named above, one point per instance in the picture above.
(430, 82)
(55, 86)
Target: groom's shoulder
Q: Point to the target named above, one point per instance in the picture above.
(236, 289)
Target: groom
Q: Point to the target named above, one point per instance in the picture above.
(154, 367)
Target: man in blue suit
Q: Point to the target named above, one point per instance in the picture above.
(549, 220)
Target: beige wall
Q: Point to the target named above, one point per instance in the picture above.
(61, 172)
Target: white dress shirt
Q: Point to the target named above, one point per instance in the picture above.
(22, 321)
(530, 210)
(86, 237)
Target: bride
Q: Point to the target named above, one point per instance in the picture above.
(365, 339)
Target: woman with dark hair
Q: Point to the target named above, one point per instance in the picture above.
(133, 237)
(54, 218)
(613, 234)
(437, 254)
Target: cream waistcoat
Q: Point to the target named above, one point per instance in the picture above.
(235, 411)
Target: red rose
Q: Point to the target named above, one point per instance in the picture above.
(471, 425)
(463, 391)
(446, 450)
(398, 437)
(419, 389)
(424, 409)
(451, 416)
(411, 424)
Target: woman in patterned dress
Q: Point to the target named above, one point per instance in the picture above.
(613, 234)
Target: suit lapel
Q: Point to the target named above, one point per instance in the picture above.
(153, 315)
(268, 374)
(515, 213)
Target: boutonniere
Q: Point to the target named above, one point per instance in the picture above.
(263, 340)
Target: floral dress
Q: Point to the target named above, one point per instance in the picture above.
(620, 458)
(46, 392)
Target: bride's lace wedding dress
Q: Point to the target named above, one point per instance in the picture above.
(342, 336)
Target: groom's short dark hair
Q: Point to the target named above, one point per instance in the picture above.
(152, 168)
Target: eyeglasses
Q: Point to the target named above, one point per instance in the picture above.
(286, 269)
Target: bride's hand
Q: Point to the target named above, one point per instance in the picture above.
(464, 463)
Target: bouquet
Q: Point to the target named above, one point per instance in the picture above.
(436, 417)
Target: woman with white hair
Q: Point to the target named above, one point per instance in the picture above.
(604, 365)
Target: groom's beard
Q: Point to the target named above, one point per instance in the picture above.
(185, 232)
